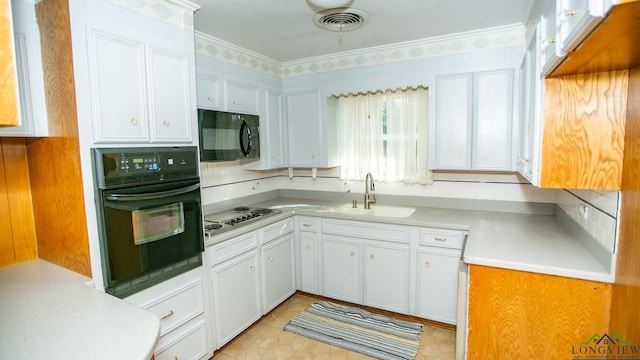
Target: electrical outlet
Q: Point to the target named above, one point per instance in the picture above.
(584, 211)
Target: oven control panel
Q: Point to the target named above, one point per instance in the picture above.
(137, 163)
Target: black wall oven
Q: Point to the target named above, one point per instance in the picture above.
(149, 215)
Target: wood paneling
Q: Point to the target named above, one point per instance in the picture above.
(583, 135)
(17, 232)
(521, 315)
(8, 79)
(54, 162)
(612, 46)
(625, 315)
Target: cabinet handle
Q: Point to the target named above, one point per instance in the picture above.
(570, 12)
(270, 258)
(133, 121)
(353, 253)
(168, 315)
(371, 256)
(440, 238)
(165, 122)
(307, 247)
(252, 268)
(458, 156)
(426, 264)
(307, 225)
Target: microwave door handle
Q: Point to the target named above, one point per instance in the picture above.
(152, 196)
(245, 128)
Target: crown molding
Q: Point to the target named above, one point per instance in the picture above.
(479, 40)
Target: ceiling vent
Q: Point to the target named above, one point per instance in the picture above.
(340, 19)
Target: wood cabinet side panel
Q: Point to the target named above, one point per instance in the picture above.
(520, 315)
(8, 76)
(583, 135)
(626, 291)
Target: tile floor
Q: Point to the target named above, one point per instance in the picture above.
(267, 340)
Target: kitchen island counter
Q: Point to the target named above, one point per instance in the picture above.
(544, 244)
(48, 312)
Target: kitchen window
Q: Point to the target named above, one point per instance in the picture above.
(385, 133)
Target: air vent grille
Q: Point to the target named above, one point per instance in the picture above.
(341, 19)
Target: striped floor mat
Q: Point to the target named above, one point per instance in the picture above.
(355, 329)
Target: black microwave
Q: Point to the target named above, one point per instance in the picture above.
(228, 136)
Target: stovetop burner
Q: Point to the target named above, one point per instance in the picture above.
(232, 219)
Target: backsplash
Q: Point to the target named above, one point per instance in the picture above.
(600, 219)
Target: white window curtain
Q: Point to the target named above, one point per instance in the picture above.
(385, 134)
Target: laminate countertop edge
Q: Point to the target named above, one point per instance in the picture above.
(526, 242)
(48, 312)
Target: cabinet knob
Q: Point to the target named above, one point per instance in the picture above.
(426, 264)
(484, 156)
(372, 256)
(353, 253)
(252, 268)
(168, 315)
(165, 122)
(270, 258)
(133, 121)
(307, 247)
(235, 102)
(552, 41)
(210, 98)
(570, 12)
(458, 156)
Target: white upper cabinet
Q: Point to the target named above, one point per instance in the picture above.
(474, 115)
(272, 129)
(28, 61)
(241, 97)
(576, 19)
(208, 89)
(311, 125)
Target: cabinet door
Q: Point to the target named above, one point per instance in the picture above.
(309, 262)
(274, 139)
(208, 89)
(9, 105)
(242, 98)
(118, 89)
(550, 54)
(437, 292)
(386, 277)
(170, 97)
(303, 122)
(278, 271)
(493, 114)
(577, 19)
(236, 294)
(453, 121)
(342, 268)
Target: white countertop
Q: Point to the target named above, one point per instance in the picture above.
(534, 243)
(48, 312)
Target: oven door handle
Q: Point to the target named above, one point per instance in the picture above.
(152, 196)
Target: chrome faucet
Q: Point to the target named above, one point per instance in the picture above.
(369, 188)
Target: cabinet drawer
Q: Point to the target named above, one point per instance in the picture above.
(228, 249)
(192, 344)
(366, 230)
(441, 238)
(178, 307)
(273, 231)
(308, 223)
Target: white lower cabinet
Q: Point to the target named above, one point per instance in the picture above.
(342, 268)
(437, 292)
(366, 263)
(181, 306)
(308, 239)
(278, 281)
(235, 286)
(250, 275)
